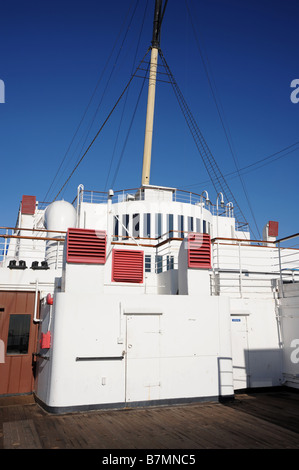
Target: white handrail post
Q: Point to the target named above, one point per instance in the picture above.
(240, 270)
(280, 271)
(5, 245)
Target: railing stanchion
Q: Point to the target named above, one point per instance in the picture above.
(280, 270)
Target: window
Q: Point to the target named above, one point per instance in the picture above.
(125, 226)
(204, 226)
(158, 225)
(181, 226)
(18, 334)
(115, 228)
(198, 225)
(147, 225)
(147, 263)
(170, 225)
(190, 224)
(170, 262)
(159, 267)
(136, 225)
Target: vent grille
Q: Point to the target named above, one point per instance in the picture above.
(86, 246)
(28, 205)
(199, 250)
(127, 266)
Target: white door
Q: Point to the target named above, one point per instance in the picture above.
(142, 358)
(240, 351)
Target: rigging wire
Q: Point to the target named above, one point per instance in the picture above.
(163, 13)
(109, 79)
(210, 163)
(225, 128)
(127, 94)
(91, 98)
(235, 173)
(101, 128)
(128, 133)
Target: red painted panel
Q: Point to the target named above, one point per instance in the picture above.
(86, 246)
(199, 250)
(273, 229)
(127, 266)
(28, 205)
(45, 340)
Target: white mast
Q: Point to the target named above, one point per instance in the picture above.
(148, 138)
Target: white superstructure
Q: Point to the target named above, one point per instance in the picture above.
(144, 296)
(156, 328)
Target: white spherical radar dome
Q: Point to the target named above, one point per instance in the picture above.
(60, 215)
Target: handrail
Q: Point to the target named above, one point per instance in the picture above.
(32, 238)
(213, 240)
(287, 238)
(259, 241)
(147, 245)
(241, 240)
(31, 229)
(140, 189)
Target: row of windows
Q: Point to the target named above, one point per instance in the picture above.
(154, 225)
(160, 263)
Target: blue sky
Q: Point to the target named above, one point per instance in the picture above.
(53, 54)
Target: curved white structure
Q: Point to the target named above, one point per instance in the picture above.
(59, 216)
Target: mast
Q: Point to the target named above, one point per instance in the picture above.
(148, 138)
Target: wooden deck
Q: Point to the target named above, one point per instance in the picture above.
(255, 420)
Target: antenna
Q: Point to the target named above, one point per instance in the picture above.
(148, 138)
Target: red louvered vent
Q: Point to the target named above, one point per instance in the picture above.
(28, 205)
(86, 246)
(127, 266)
(199, 250)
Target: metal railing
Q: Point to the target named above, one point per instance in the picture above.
(137, 194)
(30, 244)
(253, 267)
(240, 267)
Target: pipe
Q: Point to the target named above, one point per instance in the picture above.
(35, 319)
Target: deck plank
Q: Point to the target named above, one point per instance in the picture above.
(256, 420)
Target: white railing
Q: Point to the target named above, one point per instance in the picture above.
(239, 267)
(246, 268)
(30, 246)
(137, 194)
(288, 260)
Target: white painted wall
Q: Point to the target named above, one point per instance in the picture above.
(175, 347)
(257, 353)
(288, 308)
